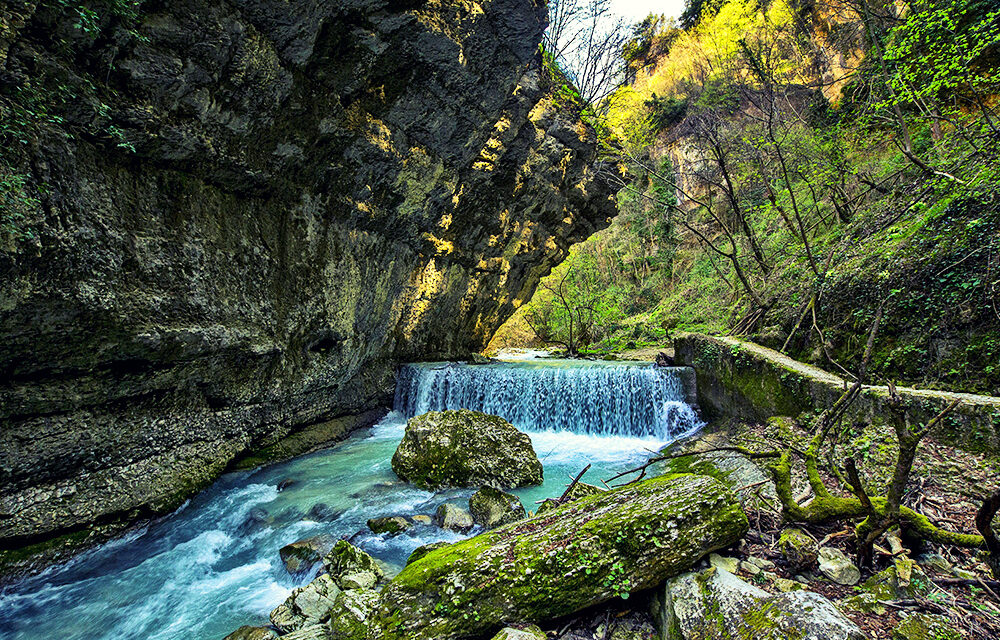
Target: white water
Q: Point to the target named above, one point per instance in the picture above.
(595, 398)
(203, 571)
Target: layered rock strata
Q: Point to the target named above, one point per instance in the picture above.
(230, 220)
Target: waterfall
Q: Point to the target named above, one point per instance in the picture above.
(597, 398)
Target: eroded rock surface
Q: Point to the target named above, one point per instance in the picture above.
(251, 212)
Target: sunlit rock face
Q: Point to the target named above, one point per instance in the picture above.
(252, 211)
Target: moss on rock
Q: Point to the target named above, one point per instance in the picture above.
(578, 555)
(465, 449)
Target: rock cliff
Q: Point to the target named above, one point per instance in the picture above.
(225, 221)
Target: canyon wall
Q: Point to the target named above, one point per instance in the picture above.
(227, 221)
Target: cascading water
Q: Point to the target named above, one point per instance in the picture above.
(213, 565)
(594, 398)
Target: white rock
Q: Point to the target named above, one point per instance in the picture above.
(838, 567)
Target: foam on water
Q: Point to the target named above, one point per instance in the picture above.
(212, 565)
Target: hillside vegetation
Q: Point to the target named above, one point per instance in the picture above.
(797, 169)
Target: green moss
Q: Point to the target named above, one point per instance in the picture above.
(17, 558)
(583, 553)
(924, 626)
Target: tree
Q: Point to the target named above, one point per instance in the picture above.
(585, 39)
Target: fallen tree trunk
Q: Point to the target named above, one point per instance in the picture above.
(573, 557)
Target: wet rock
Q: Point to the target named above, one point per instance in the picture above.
(478, 358)
(799, 549)
(252, 633)
(838, 567)
(491, 508)
(422, 551)
(322, 512)
(925, 626)
(454, 518)
(302, 555)
(390, 525)
(716, 605)
(422, 520)
(306, 606)
(345, 559)
(256, 519)
(284, 484)
(530, 632)
(577, 556)
(465, 449)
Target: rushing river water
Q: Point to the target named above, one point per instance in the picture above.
(213, 565)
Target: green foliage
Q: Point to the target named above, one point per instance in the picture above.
(91, 16)
(801, 213)
(946, 50)
(16, 204)
(666, 112)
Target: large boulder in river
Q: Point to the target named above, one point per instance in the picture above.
(465, 449)
(579, 555)
(716, 605)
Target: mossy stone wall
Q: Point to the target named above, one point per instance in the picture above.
(750, 382)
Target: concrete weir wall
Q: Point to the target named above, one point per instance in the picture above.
(745, 380)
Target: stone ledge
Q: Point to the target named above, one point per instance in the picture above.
(744, 380)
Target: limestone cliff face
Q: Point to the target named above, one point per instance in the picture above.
(232, 219)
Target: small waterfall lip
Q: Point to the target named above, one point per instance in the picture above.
(620, 398)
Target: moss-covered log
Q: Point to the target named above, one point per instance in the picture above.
(581, 554)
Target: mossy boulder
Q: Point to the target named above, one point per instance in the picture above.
(925, 626)
(576, 556)
(905, 580)
(465, 449)
(799, 549)
(491, 508)
(345, 559)
(734, 469)
(390, 525)
(577, 491)
(716, 605)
